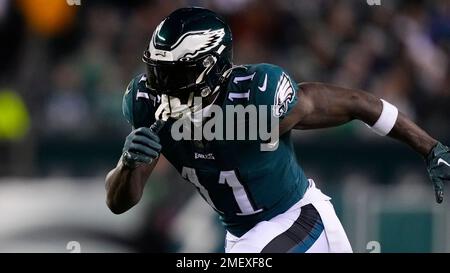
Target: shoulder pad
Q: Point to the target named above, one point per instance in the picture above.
(265, 84)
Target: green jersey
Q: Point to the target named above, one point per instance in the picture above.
(242, 183)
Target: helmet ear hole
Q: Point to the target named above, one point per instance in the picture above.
(205, 92)
(209, 61)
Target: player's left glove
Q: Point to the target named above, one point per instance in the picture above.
(438, 166)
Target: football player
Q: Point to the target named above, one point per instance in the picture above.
(263, 198)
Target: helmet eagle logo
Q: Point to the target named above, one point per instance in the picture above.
(188, 46)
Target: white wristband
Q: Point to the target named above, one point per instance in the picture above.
(387, 119)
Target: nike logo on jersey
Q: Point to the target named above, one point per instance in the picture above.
(443, 162)
(264, 86)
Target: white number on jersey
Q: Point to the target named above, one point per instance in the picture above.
(226, 177)
(191, 176)
(230, 178)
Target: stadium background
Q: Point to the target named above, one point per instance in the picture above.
(64, 69)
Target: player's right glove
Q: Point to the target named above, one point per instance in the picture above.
(438, 166)
(141, 147)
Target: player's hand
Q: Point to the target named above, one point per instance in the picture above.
(141, 147)
(438, 166)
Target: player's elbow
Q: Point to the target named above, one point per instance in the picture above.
(119, 208)
(121, 194)
(121, 205)
(114, 207)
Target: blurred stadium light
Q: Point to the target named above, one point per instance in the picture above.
(14, 118)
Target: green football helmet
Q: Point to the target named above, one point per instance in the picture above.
(188, 56)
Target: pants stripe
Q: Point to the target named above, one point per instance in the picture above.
(300, 236)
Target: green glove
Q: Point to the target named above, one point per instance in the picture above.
(141, 147)
(438, 166)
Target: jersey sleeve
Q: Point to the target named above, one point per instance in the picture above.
(276, 89)
(127, 103)
(138, 104)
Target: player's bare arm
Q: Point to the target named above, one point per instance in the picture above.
(125, 183)
(323, 105)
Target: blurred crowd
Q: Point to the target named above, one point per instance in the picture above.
(72, 71)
